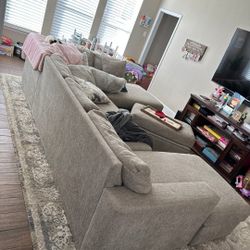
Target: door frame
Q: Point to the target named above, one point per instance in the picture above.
(154, 30)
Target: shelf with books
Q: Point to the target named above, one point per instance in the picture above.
(226, 152)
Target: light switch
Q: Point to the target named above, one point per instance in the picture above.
(145, 33)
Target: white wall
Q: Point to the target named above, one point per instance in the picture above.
(137, 39)
(212, 23)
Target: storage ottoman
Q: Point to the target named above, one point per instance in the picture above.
(164, 138)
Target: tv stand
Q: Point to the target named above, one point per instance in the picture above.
(219, 139)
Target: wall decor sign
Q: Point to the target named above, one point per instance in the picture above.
(193, 51)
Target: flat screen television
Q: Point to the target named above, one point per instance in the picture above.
(233, 72)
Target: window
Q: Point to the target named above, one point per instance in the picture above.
(118, 21)
(73, 14)
(27, 14)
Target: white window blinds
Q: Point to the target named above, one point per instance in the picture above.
(27, 14)
(73, 14)
(118, 21)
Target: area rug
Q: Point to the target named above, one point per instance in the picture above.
(48, 223)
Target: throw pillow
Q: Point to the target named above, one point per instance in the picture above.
(97, 60)
(135, 172)
(83, 72)
(60, 65)
(113, 66)
(86, 103)
(92, 92)
(85, 59)
(107, 82)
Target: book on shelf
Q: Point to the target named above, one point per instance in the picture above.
(204, 132)
(196, 106)
(211, 154)
(212, 132)
(226, 166)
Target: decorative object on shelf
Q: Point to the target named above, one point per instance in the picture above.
(6, 46)
(193, 51)
(145, 21)
(217, 94)
(233, 103)
(130, 77)
(239, 181)
(237, 116)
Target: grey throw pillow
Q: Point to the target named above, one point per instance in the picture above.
(91, 91)
(135, 172)
(113, 66)
(97, 60)
(83, 72)
(61, 65)
(77, 90)
(107, 82)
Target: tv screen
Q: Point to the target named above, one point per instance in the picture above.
(233, 72)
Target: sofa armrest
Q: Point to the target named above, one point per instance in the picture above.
(167, 217)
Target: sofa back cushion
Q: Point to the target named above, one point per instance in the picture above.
(107, 82)
(61, 65)
(113, 66)
(135, 172)
(86, 103)
(83, 72)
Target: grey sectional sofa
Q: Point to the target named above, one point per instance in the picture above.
(118, 198)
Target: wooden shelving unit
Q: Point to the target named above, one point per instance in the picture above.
(229, 160)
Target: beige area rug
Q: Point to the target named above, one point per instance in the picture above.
(48, 223)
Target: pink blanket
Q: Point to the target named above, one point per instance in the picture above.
(35, 48)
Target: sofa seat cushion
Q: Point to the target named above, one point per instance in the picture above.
(78, 91)
(107, 107)
(171, 167)
(184, 136)
(139, 146)
(135, 172)
(135, 94)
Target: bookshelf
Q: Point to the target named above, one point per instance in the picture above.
(220, 141)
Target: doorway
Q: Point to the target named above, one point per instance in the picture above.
(159, 39)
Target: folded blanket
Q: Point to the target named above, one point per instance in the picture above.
(35, 48)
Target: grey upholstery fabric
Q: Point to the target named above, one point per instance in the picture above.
(135, 94)
(60, 65)
(113, 66)
(70, 138)
(89, 54)
(30, 79)
(97, 60)
(173, 141)
(83, 72)
(139, 146)
(107, 107)
(135, 173)
(87, 172)
(92, 91)
(107, 82)
(171, 168)
(85, 59)
(86, 103)
(165, 219)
